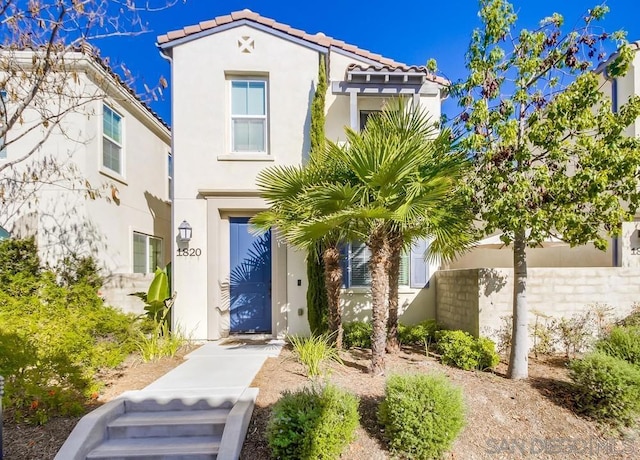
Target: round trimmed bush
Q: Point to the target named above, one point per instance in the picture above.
(607, 388)
(461, 349)
(422, 415)
(313, 423)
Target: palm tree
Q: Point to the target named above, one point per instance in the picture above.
(403, 179)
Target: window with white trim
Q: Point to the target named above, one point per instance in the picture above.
(147, 253)
(111, 139)
(356, 266)
(249, 116)
(170, 176)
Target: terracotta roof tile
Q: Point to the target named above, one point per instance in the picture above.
(318, 39)
(174, 34)
(297, 32)
(190, 30)
(224, 19)
(400, 68)
(204, 25)
(282, 27)
(266, 21)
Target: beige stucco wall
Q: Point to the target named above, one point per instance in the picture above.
(563, 256)
(65, 220)
(475, 300)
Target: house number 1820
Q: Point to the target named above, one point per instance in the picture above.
(189, 252)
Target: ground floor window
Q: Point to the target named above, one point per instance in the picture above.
(147, 253)
(414, 269)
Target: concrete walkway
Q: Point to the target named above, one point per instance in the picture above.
(216, 368)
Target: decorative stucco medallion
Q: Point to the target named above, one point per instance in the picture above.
(246, 44)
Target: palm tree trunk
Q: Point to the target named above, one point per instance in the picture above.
(393, 345)
(518, 358)
(379, 265)
(333, 283)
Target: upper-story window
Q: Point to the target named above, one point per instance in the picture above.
(111, 139)
(249, 116)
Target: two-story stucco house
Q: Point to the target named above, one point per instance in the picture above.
(104, 135)
(242, 86)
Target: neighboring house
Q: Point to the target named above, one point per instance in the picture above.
(242, 86)
(111, 139)
(621, 252)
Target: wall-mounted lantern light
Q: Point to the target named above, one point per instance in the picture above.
(185, 231)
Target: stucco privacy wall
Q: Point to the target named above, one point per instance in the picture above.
(475, 300)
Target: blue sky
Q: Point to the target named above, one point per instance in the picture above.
(412, 31)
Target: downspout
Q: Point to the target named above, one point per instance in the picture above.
(166, 54)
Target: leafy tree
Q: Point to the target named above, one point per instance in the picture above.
(551, 157)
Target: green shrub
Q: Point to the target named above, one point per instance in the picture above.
(62, 335)
(633, 319)
(461, 349)
(18, 256)
(488, 358)
(357, 334)
(622, 342)
(422, 415)
(313, 423)
(606, 388)
(314, 352)
(417, 334)
(75, 269)
(160, 342)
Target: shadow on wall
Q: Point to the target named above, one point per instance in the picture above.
(415, 306)
(491, 281)
(249, 293)
(161, 212)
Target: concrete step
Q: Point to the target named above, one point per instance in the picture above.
(161, 402)
(184, 448)
(168, 423)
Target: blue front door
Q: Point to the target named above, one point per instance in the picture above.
(250, 279)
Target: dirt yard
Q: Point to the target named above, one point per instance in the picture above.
(505, 419)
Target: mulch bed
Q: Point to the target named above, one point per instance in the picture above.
(505, 419)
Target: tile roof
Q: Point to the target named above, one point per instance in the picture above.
(318, 39)
(401, 69)
(94, 55)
